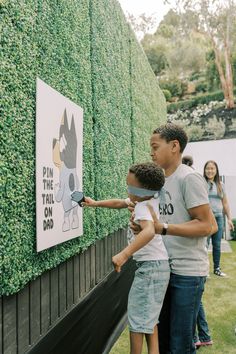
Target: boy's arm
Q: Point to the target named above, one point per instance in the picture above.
(109, 203)
(202, 224)
(146, 235)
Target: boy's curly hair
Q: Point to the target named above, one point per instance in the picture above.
(149, 175)
(172, 131)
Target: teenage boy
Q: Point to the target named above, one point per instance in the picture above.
(185, 222)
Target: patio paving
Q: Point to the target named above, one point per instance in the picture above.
(225, 247)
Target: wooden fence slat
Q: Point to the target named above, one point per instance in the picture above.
(106, 265)
(54, 295)
(121, 235)
(35, 310)
(1, 325)
(102, 264)
(92, 267)
(70, 283)
(115, 241)
(124, 238)
(82, 284)
(115, 237)
(9, 325)
(109, 254)
(87, 270)
(119, 241)
(23, 319)
(98, 261)
(45, 302)
(62, 289)
(76, 261)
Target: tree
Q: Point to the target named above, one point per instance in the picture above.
(212, 74)
(217, 22)
(141, 24)
(175, 49)
(157, 60)
(156, 50)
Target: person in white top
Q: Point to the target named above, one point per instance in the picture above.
(144, 182)
(220, 207)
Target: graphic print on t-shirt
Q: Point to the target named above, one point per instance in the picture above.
(165, 206)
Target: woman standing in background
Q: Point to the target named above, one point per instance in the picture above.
(220, 206)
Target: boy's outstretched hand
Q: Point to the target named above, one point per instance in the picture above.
(118, 260)
(89, 202)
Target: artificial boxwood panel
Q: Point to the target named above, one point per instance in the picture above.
(51, 40)
(85, 50)
(148, 102)
(65, 65)
(112, 109)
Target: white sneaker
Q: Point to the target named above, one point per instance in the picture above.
(219, 273)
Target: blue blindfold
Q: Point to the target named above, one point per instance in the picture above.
(142, 192)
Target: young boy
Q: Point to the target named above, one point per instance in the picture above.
(144, 182)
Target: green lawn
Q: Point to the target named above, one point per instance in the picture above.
(220, 304)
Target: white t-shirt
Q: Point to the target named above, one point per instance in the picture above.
(155, 249)
(184, 189)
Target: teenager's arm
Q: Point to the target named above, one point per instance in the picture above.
(109, 203)
(227, 212)
(145, 236)
(202, 224)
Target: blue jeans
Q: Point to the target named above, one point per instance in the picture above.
(178, 316)
(202, 334)
(216, 241)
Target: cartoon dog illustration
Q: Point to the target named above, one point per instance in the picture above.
(64, 157)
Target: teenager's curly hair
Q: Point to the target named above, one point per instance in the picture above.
(172, 131)
(149, 175)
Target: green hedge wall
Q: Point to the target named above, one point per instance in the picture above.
(111, 99)
(86, 51)
(148, 102)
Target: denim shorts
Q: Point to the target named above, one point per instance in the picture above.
(147, 294)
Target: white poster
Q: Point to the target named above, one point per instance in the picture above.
(59, 133)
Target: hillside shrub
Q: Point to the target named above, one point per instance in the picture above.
(195, 132)
(201, 87)
(232, 126)
(176, 86)
(201, 99)
(216, 127)
(233, 232)
(167, 94)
